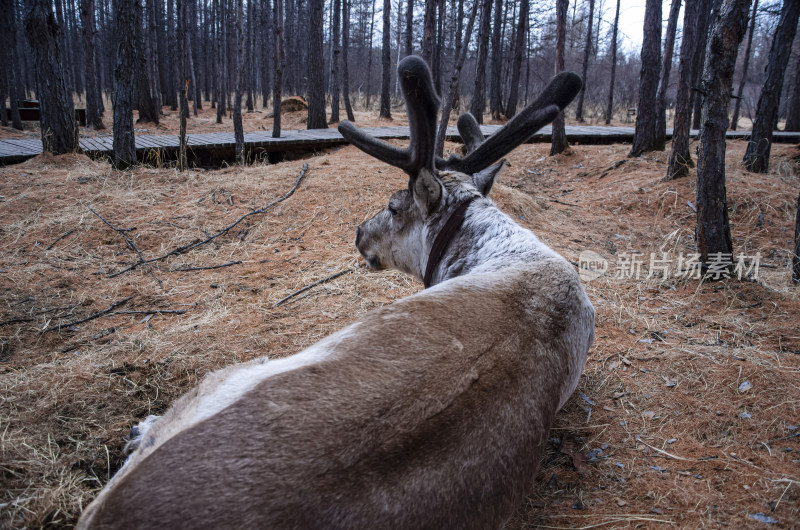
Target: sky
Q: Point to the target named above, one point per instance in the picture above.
(631, 20)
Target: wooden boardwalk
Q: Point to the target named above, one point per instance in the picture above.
(12, 151)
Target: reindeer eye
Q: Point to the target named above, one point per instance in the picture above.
(392, 210)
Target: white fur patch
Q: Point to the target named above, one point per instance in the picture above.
(246, 378)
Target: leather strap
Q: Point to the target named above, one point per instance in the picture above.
(443, 240)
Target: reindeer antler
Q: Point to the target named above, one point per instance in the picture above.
(483, 153)
(423, 106)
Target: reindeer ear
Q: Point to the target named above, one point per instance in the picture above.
(427, 190)
(484, 179)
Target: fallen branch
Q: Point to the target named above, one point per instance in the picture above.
(190, 246)
(307, 287)
(62, 236)
(670, 455)
(121, 231)
(615, 166)
(151, 312)
(15, 321)
(93, 316)
(186, 269)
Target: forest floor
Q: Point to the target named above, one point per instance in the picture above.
(687, 413)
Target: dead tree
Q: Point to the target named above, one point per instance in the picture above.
(644, 136)
(386, 60)
(713, 228)
(559, 135)
(587, 50)
(610, 107)
(756, 158)
(666, 68)
(745, 67)
(680, 160)
(57, 114)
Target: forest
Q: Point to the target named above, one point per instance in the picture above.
(129, 275)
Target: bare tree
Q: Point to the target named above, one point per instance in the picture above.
(345, 62)
(94, 114)
(9, 54)
(124, 75)
(713, 228)
(238, 131)
(478, 93)
(796, 250)
(278, 61)
(335, 62)
(704, 21)
(145, 102)
(745, 66)
(610, 108)
(409, 32)
(495, 99)
(666, 68)
(644, 136)
(559, 136)
(386, 59)
(587, 51)
(680, 160)
(57, 114)
(266, 52)
(756, 158)
(316, 69)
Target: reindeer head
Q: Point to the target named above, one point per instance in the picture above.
(401, 235)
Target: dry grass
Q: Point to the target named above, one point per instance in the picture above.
(664, 442)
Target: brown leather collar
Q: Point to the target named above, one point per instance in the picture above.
(443, 239)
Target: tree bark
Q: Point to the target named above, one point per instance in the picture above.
(713, 228)
(704, 23)
(345, 61)
(587, 50)
(516, 68)
(793, 107)
(124, 77)
(409, 33)
(386, 111)
(57, 114)
(756, 158)
(559, 137)
(429, 32)
(495, 101)
(266, 55)
(680, 160)
(644, 136)
(610, 108)
(478, 104)
(14, 79)
(238, 131)
(278, 61)
(148, 112)
(94, 115)
(666, 68)
(220, 58)
(335, 62)
(316, 70)
(745, 67)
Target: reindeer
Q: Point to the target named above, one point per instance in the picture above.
(432, 412)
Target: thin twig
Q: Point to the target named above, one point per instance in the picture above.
(62, 236)
(152, 312)
(638, 439)
(307, 287)
(121, 231)
(15, 321)
(186, 269)
(110, 308)
(196, 243)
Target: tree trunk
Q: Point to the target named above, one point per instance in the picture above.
(124, 77)
(13, 79)
(94, 115)
(316, 69)
(409, 33)
(610, 108)
(756, 158)
(559, 137)
(335, 63)
(174, 86)
(704, 22)
(266, 67)
(587, 50)
(238, 131)
(249, 62)
(220, 58)
(369, 56)
(745, 66)
(680, 160)
(386, 81)
(713, 230)
(793, 107)
(278, 60)
(429, 32)
(644, 136)
(148, 112)
(479, 93)
(460, 55)
(495, 103)
(666, 68)
(796, 253)
(516, 68)
(345, 61)
(57, 114)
